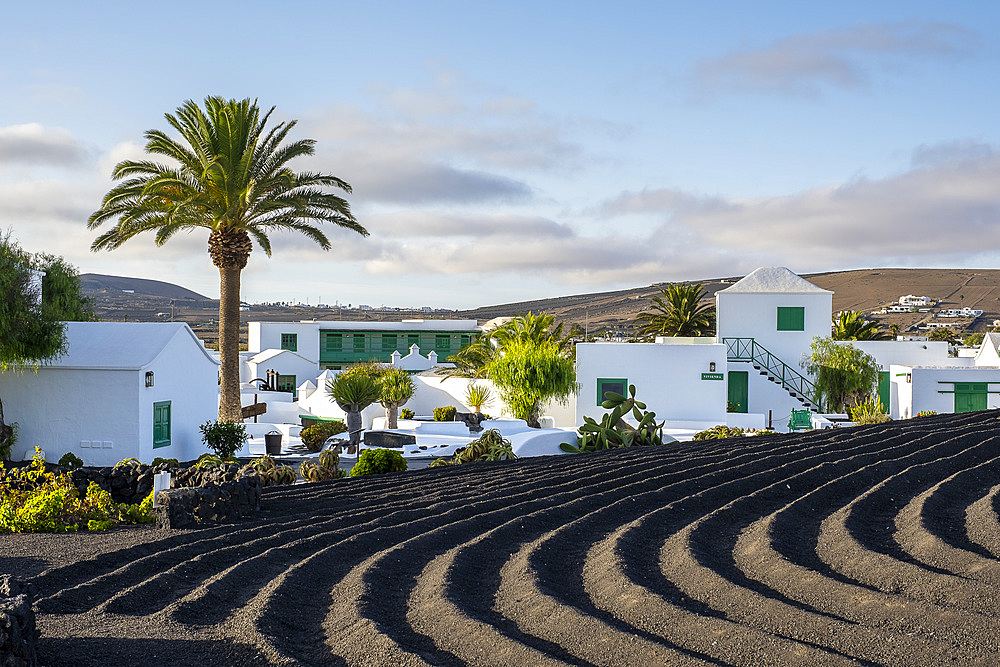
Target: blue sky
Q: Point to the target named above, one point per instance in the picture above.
(509, 151)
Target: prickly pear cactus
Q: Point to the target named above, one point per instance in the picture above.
(613, 431)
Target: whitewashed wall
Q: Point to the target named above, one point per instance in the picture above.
(667, 378)
(755, 315)
(922, 392)
(267, 335)
(905, 353)
(285, 363)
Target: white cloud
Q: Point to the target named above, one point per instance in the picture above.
(806, 64)
(33, 144)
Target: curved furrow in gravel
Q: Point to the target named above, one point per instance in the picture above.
(982, 522)
(699, 559)
(920, 523)
(850, 543)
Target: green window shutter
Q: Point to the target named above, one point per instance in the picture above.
(286, 383)
(388, 343)
(161, 424)
(791, 318)
(442, 344)
(617, 385)
(359, 342)
(466, 339)
(290, 341)
(411, 340)
(334, 342)
(883, 390)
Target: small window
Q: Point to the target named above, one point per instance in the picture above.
(466, 339)
(359, 342)
(334, 342)
(286, 383)
(388, 343)
(604, 385)
(161, 424)
(442, 344)
(791, 318)
(290, 341)
(411, 340)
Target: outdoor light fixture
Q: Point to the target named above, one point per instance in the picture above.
(711, 366)
(149, 378)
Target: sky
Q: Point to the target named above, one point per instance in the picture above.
(506, 151)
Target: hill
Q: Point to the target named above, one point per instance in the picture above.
(96, 283)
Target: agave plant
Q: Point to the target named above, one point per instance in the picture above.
(353, 390)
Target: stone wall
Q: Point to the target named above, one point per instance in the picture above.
(216, 499)
(18, 635)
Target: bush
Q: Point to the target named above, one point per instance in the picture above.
(870, 411)
(406, 413)
(378, 461)
(490, 446)
(159, 460)
(33, 500)
(224, 438)
(70, 460)
(207, 460)
(719, 432)
(315, 436)
(445, 414)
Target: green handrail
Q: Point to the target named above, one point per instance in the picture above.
(748, 349)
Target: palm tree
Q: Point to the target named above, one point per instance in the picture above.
(231, 177)
(471, 360)
(678, 312)
(852, 325)
(353, 390)
(395, 389)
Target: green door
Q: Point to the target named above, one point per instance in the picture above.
(161, 424)
(739, 387)
(970, 396)
(883, 390)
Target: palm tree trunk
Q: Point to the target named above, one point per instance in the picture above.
(230, 404)
(391, 411)
(354, 426)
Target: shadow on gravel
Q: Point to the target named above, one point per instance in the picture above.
(104, 651)
(22, 567)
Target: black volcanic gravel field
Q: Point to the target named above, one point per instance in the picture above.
(870, 545)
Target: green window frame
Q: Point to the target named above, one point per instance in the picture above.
(442, 344)
(791, 318)
(334, 342)
(617, 385)
(388, 343)
(466, 339)
(359, 343)
(286, 383)
(290, 342)
(161, 424)
(411, 340)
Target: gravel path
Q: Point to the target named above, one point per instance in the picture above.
(871, 545)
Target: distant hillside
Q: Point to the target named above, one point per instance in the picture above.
(98, 283)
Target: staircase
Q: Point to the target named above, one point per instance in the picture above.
(777, 371)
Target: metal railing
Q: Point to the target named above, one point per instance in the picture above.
(748, 349)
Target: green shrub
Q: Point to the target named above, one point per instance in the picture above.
(224, 438)
(33, 500)
(314, 437)
(445, 414)
(128, 463)
(312, 472)
(490, 446)
(5, 449)
(159, 460)
(719, 432)
(378, 461)
(406, 413)
(869, 411)
(207, 460)
(70, 460)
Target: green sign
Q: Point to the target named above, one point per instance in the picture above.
(711, 376)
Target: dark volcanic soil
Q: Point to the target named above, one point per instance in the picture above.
(870, 545)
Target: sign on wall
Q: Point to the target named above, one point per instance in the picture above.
(711, 376)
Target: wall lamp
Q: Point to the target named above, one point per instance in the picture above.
(149, 378)
(711, 366)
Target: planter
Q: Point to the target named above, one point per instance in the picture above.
(272, 443)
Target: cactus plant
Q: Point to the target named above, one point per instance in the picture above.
(283, 475)
(329, 458)
(613, 431)
(490, 446)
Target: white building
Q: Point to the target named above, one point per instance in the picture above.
(910, 300)
(959, 312)
(121, 390)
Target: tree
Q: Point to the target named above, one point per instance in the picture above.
(471, 360)
(678, 312)
(844, 375)
(527, 373)
(231, 177)
(353, 390)
(395, 389)
(974, 339)
(943, 333)
(852, 325)
(31, 332)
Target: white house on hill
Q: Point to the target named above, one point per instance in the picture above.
(121, 390)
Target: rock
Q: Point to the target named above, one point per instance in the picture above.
(18, 634)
